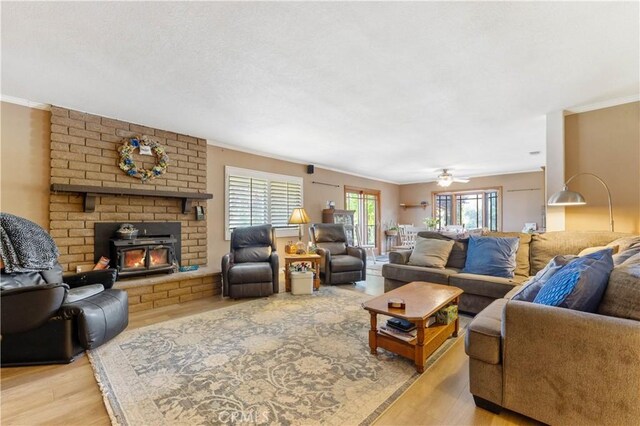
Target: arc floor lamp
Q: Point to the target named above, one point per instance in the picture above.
(572, 198)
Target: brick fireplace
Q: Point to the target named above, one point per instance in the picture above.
(84, 152)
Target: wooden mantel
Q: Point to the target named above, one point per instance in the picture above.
(90, 193)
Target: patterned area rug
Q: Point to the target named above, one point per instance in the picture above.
(284, 360)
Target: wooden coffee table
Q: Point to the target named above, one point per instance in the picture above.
(422, 301)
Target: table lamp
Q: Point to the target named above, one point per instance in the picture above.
(299, 217)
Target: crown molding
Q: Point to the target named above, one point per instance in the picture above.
(24, 102)
(471, 177)
(600, 105)
(293, 160)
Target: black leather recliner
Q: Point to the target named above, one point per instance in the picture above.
(250, 269)
(48, 319)
(339, 262)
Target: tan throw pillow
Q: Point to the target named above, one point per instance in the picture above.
(431, 253)
(625, 243)
(458, 255)
(591, 250)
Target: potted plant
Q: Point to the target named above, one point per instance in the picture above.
(392, 229)
(432, 223)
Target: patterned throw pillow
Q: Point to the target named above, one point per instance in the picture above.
(580, 284)
(493, 256)
(531, 288)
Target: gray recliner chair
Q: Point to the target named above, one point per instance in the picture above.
(250, 269)
(339, 262)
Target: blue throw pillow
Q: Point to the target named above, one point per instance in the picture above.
(495, 256)
(532, 287)
(580, 284)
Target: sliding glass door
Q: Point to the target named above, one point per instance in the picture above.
(366, 204)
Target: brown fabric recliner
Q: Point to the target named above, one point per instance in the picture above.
(339, 263)
(251, 268)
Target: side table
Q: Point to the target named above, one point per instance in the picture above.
(312, 258)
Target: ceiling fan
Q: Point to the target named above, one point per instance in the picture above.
(445, 179)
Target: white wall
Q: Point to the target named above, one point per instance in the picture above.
(554, 171)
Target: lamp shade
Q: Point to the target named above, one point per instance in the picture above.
(299, 216)
(571, 198)
(566, 198)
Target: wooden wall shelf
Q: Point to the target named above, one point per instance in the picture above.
(413, 206)
(91, 192)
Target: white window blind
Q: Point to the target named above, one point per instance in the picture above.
(248, 201)
(256, 198)
(285, 196)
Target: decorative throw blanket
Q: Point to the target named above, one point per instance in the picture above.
(26, 247)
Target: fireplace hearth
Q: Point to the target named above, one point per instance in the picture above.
(155, 250)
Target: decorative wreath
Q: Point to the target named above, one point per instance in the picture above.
(129, 166)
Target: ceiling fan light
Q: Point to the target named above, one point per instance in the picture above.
(445, 182)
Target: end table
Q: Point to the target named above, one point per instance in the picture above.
(312, 258)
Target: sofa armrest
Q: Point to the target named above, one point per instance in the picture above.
(325, 261)
(357, 252)
(106, 277)
(361, 254)
(274, 260)
(565, 366)
(98, 318)
(399, 257)
(226, 263)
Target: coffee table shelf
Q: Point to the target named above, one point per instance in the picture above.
(422, 300)
(434, 336)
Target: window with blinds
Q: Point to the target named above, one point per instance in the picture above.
(255, 198)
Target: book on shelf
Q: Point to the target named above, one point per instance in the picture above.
(404, 325)
(401, 324)
(407, 336)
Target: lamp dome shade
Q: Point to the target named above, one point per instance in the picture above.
(299, 216)
(566, 198)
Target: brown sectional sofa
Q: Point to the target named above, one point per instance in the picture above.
(557, 365)
(534, 252)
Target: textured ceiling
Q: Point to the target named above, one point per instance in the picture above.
(388, 90)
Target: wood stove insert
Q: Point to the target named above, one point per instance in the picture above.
(142, 256)
(155, 250)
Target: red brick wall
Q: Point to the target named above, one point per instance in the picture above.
(84, 152)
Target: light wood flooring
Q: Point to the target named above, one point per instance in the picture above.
(69, 394)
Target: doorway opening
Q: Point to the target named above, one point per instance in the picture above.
(366, 204)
